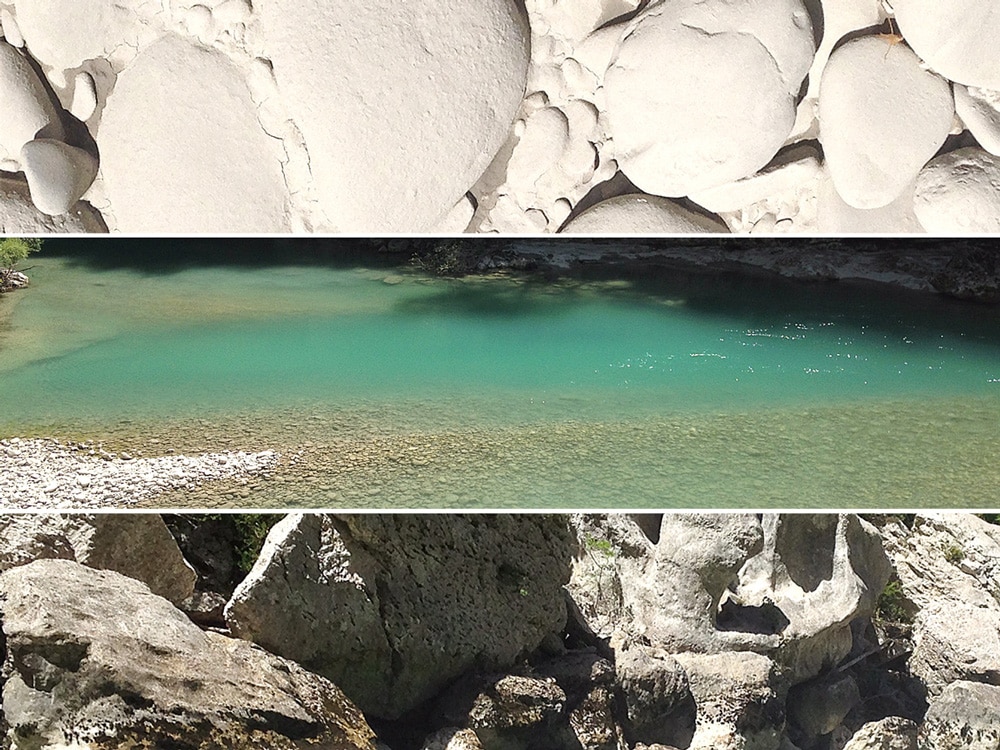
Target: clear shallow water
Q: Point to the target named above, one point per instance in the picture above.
(385, 388)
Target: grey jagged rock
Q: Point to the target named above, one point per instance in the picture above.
(668, 591)
(949, 569)
(136, 545)
(453, 738)
(92, 659)
(394, 607)
(818, 706)
(659, 707)
(799, 581)
(890, 733)
(740, 698)
(964, 717)
(566, 702)
(820, 572)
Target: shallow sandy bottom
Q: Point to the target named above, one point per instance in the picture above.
(939, 452)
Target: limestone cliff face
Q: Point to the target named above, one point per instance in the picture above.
(605, 632)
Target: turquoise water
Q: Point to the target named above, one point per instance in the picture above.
(326, 360)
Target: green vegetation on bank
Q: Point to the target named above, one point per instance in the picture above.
(14, 250)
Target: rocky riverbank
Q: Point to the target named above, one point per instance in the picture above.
(966, 269)
(46, 473)
(693, 631)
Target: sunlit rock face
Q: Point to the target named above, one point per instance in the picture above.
(500, 116)
(710, 631)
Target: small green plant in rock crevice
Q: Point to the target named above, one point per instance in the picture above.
(954, 554)
(251, 531)
(891, 606)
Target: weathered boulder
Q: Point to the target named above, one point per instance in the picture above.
(818, 706)
(966, 716)
(668, 592)
(94, 659)
(948, 566)
(820, 571)
(723, 582)
(453, 738)
(508, 711)
(137, 545)
(959, 193)
(740, 700)
(393, 607)
(659, 707)
(972, 274)
(566, 702)
(891, 733)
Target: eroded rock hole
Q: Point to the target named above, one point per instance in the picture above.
(805, 545)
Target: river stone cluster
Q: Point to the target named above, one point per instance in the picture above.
(46, 473)
(597, 116)
(487, 632)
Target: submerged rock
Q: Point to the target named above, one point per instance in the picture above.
(92, 659)
(392, 607)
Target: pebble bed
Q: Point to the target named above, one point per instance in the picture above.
(46, 473)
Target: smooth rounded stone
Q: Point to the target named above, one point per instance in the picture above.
(642, 214)
(84, 101)
(544, 137)
(179, 140)
(63, 34)
(402, 106)
(980, 111)
(58, 174)
(799, 167)
(697, 98)
(27, 111)
(18, 214)
(882, 116)
(958, 39)
(959, 192)
(11, 31)
(833, 216)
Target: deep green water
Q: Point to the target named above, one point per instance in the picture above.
(403, 391)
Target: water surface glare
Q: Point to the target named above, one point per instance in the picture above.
(382, 387)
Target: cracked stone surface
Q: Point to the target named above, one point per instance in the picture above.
(773, 116)
(392, 608)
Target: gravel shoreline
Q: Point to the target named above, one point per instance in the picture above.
(46, 473)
